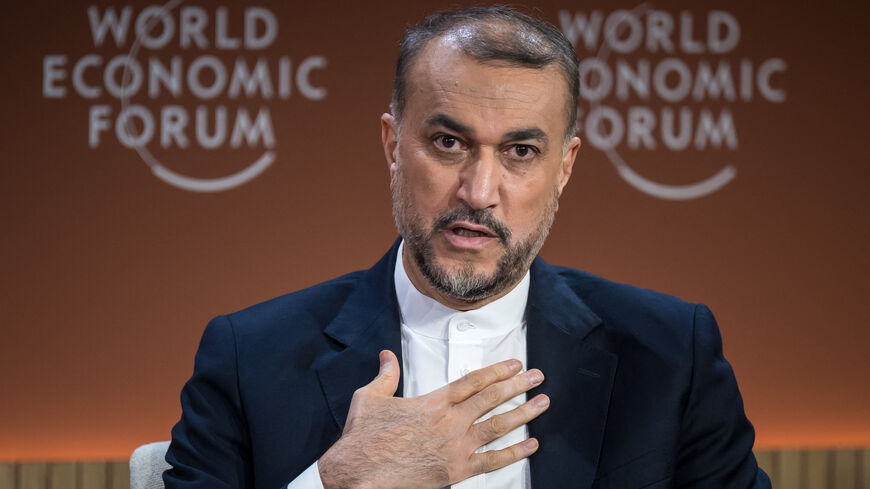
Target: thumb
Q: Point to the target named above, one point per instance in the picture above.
(387, 380)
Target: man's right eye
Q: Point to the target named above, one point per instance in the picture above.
(447, 142)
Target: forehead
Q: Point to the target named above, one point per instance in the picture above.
(443, 78)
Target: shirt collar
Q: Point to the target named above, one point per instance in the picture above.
(426, 316)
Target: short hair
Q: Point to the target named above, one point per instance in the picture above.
(495, 33)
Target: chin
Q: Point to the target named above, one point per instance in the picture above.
(466, 269)
(469, 263)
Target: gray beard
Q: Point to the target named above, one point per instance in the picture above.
(462, 282)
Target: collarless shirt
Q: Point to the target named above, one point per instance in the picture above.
(440, 345)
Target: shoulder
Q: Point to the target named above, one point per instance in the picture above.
(306, 310)
(608, 298)
(634, 313)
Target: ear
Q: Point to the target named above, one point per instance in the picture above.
(390, 141)
(568, 162)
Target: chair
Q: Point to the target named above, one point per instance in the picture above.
(147, 464)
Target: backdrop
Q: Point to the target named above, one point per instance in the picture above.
(163, 164)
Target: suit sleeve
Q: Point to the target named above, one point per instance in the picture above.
(716, 438)
(210, 446)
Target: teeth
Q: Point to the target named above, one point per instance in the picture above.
(468, 233)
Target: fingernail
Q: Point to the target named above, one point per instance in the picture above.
(386, 366)
(530, 444)
(515, 366)
(542, 402)
(536, 377)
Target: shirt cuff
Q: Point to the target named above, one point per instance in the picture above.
(310, 479)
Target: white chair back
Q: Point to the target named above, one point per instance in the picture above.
(147, 465)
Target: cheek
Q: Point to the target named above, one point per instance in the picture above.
(431, 185)
(531, 207)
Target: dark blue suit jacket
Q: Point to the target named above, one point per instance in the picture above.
(641, 396)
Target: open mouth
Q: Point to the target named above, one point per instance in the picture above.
(469, 233)
(468, 230)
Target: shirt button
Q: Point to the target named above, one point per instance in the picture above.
(463, 372)
(464, 326)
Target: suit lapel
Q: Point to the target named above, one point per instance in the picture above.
(565, 342)
(367, 323)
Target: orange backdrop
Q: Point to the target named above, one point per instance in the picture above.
(114, 258)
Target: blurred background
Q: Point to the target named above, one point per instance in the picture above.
(163, 164)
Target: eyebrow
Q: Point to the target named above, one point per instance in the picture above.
(441, 119)
(530, 133)
(444, 120)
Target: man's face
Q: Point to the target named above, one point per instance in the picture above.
(476, 169)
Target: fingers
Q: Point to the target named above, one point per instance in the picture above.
(502, 424)
(496, 459)
(478, 380)
(493, 395)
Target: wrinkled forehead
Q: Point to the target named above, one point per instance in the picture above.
(443, 73)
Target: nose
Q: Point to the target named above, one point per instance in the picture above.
(480, 182)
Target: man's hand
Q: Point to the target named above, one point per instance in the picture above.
(429, 441)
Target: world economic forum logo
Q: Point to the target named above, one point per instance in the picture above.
(649, 81)
(198, 96)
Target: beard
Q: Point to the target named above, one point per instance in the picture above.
(462, 281)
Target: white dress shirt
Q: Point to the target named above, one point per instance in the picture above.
(440, 345)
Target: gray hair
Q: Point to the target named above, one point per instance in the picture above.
(488, 34)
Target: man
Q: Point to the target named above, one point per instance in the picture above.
(624, 387)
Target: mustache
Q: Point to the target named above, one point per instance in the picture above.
(481, 217)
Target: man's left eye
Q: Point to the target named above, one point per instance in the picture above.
(523, 151)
